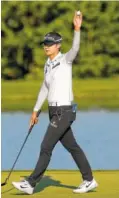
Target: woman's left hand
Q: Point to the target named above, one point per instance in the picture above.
(77, 21)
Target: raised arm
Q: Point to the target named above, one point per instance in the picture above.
(71, 54)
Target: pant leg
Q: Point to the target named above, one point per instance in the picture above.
(69, 142)
(55, 130)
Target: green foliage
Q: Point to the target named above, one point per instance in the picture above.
(25, 23)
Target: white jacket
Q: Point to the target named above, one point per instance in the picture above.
(57, 84)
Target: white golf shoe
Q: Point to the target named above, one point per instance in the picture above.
(23, 186)
(86, 186)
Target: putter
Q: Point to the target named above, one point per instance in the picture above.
(29, 131)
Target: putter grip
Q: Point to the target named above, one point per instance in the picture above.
(30, 129)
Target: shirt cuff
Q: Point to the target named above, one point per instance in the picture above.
(35, 109)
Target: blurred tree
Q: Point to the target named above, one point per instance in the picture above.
(25, 23)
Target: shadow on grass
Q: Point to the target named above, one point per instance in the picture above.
(45, 182)
(7, 190)
(48, 181)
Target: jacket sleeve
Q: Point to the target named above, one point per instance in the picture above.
(41, 97)
(71, 54)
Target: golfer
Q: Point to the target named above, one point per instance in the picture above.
(57, 88)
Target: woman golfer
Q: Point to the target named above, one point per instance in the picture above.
(57, 88)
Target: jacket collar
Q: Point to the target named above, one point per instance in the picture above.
(55, 58)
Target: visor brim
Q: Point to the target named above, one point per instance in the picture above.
(46, 42)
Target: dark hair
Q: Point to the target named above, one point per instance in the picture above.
(52, 38)
(55, 36)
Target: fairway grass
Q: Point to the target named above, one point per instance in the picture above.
(59, 184)
(88, 94)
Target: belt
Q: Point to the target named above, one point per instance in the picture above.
(59, 103)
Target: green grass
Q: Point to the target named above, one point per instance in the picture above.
(89, 94)
(59, 184)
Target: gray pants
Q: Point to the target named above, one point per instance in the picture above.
(59, 128)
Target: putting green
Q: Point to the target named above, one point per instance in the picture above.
(59, 184)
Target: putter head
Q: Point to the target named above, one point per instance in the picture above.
(3, 184)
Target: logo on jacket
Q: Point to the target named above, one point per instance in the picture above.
(53, 124)
(57, 64)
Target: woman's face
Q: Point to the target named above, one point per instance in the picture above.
(51, 50)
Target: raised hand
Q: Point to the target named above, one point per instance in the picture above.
(77, 21)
